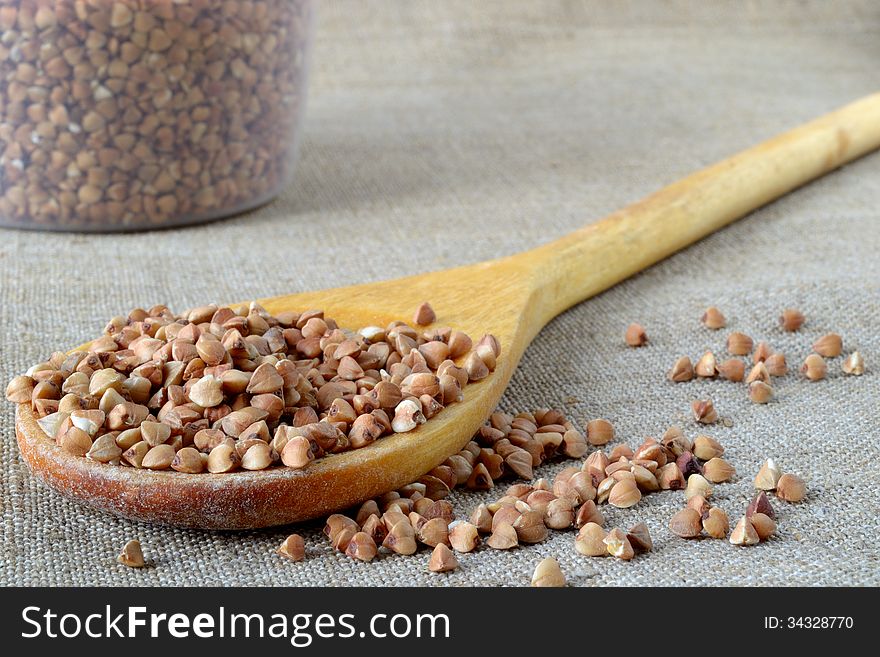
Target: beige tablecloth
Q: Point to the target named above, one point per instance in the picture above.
(443, 133)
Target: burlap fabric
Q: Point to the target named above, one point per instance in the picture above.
(443, 133)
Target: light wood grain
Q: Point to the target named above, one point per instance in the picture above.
(513, 298)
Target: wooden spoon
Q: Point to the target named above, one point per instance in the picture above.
(512, 298)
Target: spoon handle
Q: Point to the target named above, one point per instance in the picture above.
(604, 253)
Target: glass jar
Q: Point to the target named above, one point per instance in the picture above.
(134, 114)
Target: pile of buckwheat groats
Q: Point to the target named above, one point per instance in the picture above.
(418, 514)
(766, 363)
(217, 389)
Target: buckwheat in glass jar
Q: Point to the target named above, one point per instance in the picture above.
(132, 114)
